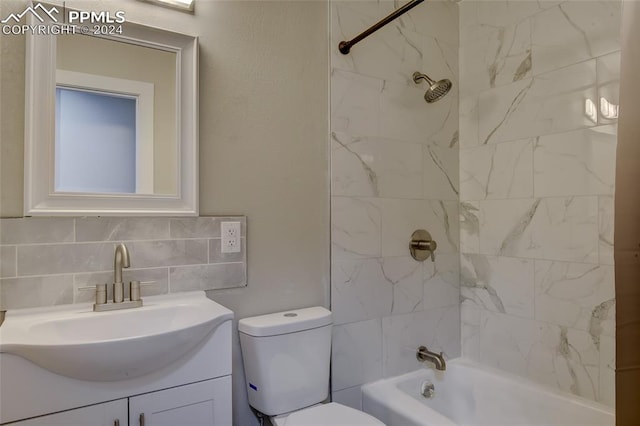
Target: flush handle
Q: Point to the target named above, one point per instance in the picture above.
(142, 419)
(116, 423)
(422, 246)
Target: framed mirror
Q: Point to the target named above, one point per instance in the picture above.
(111, 123)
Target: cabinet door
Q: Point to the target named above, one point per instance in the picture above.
(198, 404)
(112, 413)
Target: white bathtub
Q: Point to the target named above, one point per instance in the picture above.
(471, 394)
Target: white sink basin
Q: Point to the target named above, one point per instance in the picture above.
(74, 341)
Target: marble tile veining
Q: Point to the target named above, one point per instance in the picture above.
(552, 102)
(355, 228)
(605, 229)
(498, 284)
(581, 162)
(350, 341)
(470, 227)
(375, 167)
(576, 295)
(441, 174)
(556, 356)
(575, 31)
(497, 171)
(547, 228)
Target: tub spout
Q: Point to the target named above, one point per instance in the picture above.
(424, 354)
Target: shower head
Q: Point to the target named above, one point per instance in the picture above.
(436, 90)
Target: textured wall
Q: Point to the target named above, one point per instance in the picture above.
(537, 169)
(263, 141)
(394, 169)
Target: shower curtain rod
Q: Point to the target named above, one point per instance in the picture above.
(345, 46)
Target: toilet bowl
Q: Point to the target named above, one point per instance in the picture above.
(286, 358)
(331, 414)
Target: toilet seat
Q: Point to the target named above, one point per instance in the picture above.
(332, 414)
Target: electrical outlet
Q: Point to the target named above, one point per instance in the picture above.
(230, 237)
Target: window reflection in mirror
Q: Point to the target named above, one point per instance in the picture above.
(95, 148)
(124, 131)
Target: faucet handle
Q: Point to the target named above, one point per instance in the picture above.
(101, 294)
(134, 291)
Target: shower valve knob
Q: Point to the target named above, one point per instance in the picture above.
(422, 246)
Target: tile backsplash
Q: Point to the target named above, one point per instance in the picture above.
(52, 261)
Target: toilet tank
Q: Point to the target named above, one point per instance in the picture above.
(286, 359)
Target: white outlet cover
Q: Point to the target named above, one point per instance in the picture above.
(230, 237)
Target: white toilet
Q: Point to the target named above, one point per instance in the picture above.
(286, 363)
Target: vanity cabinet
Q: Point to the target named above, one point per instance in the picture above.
(112, 413)
(206, 403)
(199, 404)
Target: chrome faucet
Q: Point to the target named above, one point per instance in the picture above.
(120, 261)
(424, 354)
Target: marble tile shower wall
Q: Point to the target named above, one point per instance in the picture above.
(52, 261)
(394, 169)
(539, 85)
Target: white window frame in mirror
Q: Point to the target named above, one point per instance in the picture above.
(40, 198)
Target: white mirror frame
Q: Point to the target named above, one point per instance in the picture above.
(40, 199)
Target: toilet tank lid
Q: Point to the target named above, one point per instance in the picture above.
(285, 322)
